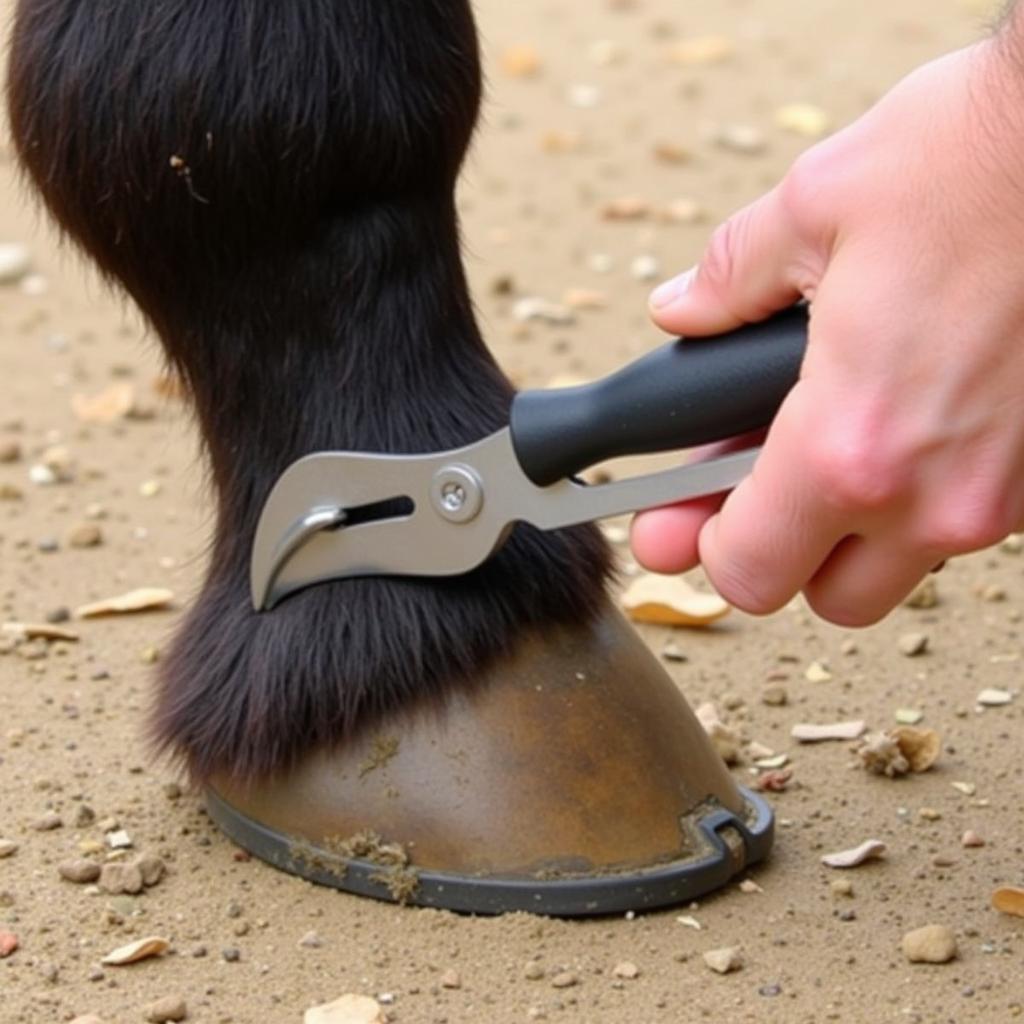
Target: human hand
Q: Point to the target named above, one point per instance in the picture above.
(903, 442)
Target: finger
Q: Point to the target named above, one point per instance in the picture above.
(749, 271)
(773, 532)
(665, 539)
(864, 579)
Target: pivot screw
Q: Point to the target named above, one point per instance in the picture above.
(457, 493)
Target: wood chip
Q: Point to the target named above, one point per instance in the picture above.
(1009, 900)
(143, 949)
(805, 732)
(115, 403)
(140, 600)
(702, 50)
(349, 1009)
(871, 849)
(804, 119)
(520, 62)
(37, 631)
(671, 601)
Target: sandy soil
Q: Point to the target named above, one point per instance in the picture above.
(553, 150)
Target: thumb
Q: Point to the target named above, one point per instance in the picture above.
(749, 271)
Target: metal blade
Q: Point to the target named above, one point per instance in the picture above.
(465, 500)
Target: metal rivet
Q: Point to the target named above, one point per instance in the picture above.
(457, 493)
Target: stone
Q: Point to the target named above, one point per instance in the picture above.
(533, 971)
(725, 740)
(170, 1008)
(564, 979)
(118, 877)
(932, 944)
(971, 840)
(152, 869)
(451, 979)
(925, 595)
(912, 645)
(311, 940)
(80, 871)
(8, 848)
(48, 822)
(86, 535)
(10, 451)
(804, 119)
(994, 698)
(775, 696)
(14, 262)
(8, 943)
(627, 970)
(723, 961)
(349, 1009)
(88, 1018)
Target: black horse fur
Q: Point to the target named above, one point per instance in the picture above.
(272, 182)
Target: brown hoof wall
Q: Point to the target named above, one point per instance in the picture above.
(573, 780)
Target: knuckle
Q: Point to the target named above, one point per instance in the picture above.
(976, 521)
(855, 474)
(803, 192)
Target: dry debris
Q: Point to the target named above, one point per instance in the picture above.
(870, 849)
(142, 949)
(143, 599)
(806, 732)
(671, 601)
(1009, 900)
(900, 751)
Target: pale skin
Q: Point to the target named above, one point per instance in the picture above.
(903, 443)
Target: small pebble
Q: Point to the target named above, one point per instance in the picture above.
(925, 595)
(933, 944)
(912, 645)
(993, 698)
(627, 969)
(10, 451)
(8, 944)
(118, 877)
(170, 1008)
(775, 696)
(80, 871)
(8, 848)
(533, 971)
(842, 888)
(14, 262)
(48, 822)
(311, 940)
(723, 961)
(87, 535)
(451, 979)
(231, 954)
(564, 979)
(971, 840)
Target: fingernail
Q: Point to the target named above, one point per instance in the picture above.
(667, 293)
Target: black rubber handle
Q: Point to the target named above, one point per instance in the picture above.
(689, 392)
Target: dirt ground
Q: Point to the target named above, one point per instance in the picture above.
(608, 115)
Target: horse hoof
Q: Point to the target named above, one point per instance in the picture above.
(573, 780)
